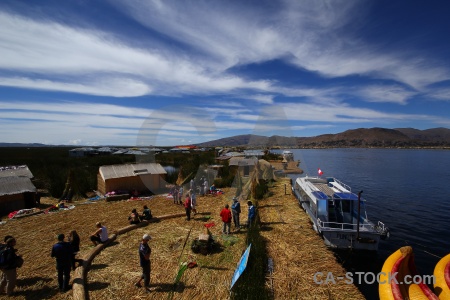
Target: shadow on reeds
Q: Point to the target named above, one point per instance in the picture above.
(214, 268)
(96, 285)
(270, 205)
(170, 287)
(113, 243)
(202, 217)
(252, 283)
(45, 292)
(98, 266)
(355, 261)
(32, 280)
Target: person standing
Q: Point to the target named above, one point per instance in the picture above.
(225, 214)
(63, 252)
(236, 210)
(9, 269)
(74, 240)
(202, 187)
(100, 236)
(144, 261)
(175, 194)
(180, 195)
(205, 186)
(193, 201)
(187, 207)
(251, 214)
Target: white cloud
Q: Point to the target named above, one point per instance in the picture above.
(116, 87)
(440, 94)
(385, 93)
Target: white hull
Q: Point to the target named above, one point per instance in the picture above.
(340, 235)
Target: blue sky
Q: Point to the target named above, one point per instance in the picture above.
(164, 73)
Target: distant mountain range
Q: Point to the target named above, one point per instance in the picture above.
(361, 137)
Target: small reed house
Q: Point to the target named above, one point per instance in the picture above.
(16, 189)
(143, 178)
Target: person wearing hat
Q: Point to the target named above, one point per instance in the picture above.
(236, 210)
(144, 260)
(63, 253)
(9, 270)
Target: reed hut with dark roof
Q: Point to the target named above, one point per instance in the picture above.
(16, 192)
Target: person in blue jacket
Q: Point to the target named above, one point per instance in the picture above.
(236, 210)
(251, 214)
(63, 252)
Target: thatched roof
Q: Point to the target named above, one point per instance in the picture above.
(241, 161)
(15, 185)
(130, 170)
(15, 171)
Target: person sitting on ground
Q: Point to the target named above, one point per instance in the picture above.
(213, 188)
(134, 217)
(100, 236)
(146, 214)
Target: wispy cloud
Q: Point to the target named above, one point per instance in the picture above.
(385, 93)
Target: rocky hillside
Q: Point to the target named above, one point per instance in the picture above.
(361, 137)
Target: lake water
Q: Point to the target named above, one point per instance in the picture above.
(408, 190)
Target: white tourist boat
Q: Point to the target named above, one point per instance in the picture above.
(338, 214)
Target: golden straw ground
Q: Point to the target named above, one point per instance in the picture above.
(296, 249)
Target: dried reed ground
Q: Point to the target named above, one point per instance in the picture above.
(297, 251)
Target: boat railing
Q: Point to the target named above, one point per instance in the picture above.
(343, 185)
(345, 226)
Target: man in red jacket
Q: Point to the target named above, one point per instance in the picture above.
(225, 214)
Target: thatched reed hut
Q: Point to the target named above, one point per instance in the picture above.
(143, 178)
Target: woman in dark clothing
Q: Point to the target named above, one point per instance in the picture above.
(146, 214)
(74, 240)
(134, 217)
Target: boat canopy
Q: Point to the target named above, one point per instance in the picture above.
(345, 196)
(320, 195)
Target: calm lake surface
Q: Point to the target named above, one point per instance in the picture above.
(408, 190)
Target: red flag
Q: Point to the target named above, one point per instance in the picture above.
(320, 172)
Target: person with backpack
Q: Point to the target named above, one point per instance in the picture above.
(9, 262)
(236, 210)
(134, 217)
(63, 253)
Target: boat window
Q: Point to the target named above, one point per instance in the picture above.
(345, 206)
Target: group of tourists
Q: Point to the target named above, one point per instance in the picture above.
(200, 187)
(227, 215)
(65, 252)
